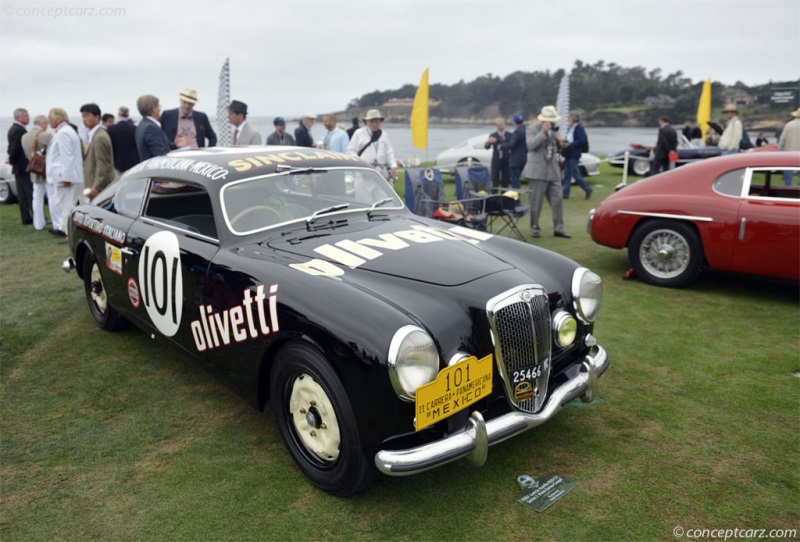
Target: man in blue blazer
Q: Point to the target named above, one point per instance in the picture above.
(123, 142)
(185, 127)
(150, 139)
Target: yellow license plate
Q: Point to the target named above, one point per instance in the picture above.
(454, 389)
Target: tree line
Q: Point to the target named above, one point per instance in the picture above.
(606, 93)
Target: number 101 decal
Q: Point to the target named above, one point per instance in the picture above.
(161, 282)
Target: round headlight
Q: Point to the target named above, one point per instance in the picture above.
(565, 327)
(413, 361)
(587, 294)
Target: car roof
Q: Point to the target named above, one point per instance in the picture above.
(217, 166)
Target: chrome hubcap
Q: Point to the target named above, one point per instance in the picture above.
(97, 290)
(664, 254)
(314, 418)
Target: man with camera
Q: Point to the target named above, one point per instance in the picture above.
(372, 145)
(543, 171)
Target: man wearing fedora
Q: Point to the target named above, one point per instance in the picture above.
(302, 133)
(372, 145)
(279, 136)
(185, 127)
(790, 141)
(243, 134)
(543, 171)
(731, 136)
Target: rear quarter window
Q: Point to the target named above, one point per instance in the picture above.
(730, 183)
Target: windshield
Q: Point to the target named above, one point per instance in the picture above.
(256, 204)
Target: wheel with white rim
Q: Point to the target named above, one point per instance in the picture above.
(639, 165)
(96, 295)
(6, 195)
(316, 421)
(666, 253)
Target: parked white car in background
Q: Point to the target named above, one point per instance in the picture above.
(8, 185)
(472, 152)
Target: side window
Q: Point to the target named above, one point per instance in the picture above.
(183, 205)
(730, 183)
(775, 183)
(128, 197)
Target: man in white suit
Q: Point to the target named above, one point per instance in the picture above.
(64, 169)
(243, 134)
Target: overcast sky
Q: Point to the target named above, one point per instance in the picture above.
(297, 56)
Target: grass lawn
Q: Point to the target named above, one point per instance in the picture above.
(116, 437)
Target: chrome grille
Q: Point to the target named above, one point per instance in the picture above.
(520, 321)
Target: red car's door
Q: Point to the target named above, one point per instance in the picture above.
(768, 240)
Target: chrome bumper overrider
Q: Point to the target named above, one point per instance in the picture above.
(473, 442)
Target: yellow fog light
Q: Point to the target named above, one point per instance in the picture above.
(565, 328)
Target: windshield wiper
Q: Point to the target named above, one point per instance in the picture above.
(293, 170)
(377, 204)
(310, 220)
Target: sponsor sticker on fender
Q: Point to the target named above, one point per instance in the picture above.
(133, 293)
(114, 259)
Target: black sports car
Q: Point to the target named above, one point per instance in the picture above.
(384, 342)
(639, 155)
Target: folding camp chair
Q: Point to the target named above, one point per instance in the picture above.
(425, 196)
(498, 205)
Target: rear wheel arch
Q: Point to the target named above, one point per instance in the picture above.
(81, 252)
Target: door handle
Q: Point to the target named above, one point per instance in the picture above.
(742, 227)
(128, 251)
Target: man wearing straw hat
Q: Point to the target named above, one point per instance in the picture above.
(790, 141)
(543, 171)
(731, 136)
(372, 145)
(185, 127)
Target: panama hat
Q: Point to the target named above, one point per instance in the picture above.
(310, 116)
(189, 95)
(548, 114)
(730, 108)
(796, 113)
(373, 114)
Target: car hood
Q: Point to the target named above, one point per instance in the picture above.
(409, 248)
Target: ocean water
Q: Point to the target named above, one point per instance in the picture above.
(602, 140)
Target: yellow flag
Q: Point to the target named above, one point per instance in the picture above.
(419, 114)
(704, 108)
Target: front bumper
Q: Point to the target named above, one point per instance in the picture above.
(474, 440)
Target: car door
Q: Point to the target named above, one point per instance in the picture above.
(170, 246)
(768, 237)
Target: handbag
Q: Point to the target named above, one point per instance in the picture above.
(37, 164)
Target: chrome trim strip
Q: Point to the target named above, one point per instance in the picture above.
(469, 441)
(742, 227)
(667, 215)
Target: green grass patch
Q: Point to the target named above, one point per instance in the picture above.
(113, 436)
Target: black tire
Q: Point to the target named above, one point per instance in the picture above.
(104, 316)
(6, 195)
(309, 424)
(638, 166)
(666, 253)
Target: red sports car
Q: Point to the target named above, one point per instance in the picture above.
(737, 213)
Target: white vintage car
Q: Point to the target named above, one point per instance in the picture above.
(473, 152)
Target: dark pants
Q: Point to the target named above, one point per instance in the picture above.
(516, 176)
(572, 169)
(25, 197)
(500, 174)
(659, 163)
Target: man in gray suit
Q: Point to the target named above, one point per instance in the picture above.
(543, 172)
(243, 134)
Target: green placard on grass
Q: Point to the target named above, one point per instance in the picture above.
(545, 491)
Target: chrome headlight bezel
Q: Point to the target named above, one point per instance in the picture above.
(587, 294)
(404, 382)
